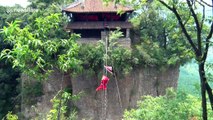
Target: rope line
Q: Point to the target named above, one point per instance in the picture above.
(119, 96)
(104, 98)
(117, 86)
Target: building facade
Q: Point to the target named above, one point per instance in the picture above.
(92, 19)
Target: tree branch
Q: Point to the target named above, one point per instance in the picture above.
(173, 9)
(187, 20)
(185, 32)
(207, 42)
(210, 94)
(210, 33)
(207, 3)
(203, 17)
(197, 27)
(167, 6)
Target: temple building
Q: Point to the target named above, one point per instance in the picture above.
(91, 19)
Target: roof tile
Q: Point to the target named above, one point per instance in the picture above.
(95, 6)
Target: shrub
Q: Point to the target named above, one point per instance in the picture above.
(10, 116)
(60, 108)
(172, 106)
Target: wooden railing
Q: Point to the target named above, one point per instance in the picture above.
(126, 42)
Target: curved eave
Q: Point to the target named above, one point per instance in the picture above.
(95, 11)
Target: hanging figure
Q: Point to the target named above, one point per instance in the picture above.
(109, 69)
(104, 82)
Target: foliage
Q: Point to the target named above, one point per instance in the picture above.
(8, 76)
(120, 57)
(37, 51)
(176, 106)
(189, 79)
(209, 71)
(198, 36)
(11, 116)
(160, 41)
(60, 102)
(93, 57)
(189, 76)
(8, 89)
(29, 45)
(9, 14)
(60, 107)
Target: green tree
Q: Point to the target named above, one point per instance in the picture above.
(8, 15)
(198, 36)
(158, 33)
(8, 88)
(38, 51)
(8, 76)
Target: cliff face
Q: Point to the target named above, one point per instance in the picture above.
(144, 81)
(147, 81)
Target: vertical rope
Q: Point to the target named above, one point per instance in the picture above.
(118, 90)
(105, 104)
(117, 86)
(104, 94)
(119, 96)
(105, 91)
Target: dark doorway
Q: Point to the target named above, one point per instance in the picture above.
(89, 33)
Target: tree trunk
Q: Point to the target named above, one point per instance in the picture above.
(203, 89)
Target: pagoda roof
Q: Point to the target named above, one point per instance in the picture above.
(95, 6)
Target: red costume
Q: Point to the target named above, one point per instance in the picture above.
(104, 82)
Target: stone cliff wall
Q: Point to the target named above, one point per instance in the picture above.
(144, 81)
(147, 81)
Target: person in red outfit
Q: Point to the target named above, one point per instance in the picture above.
(104, 82)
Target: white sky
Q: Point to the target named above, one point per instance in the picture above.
(23, 3)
